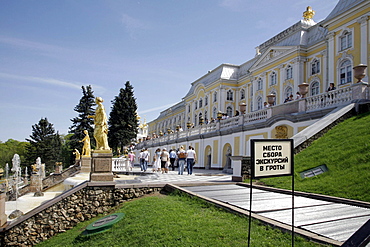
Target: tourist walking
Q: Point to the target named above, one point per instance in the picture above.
(173, 158)
(141, 159)
(181, 157)
(146, 156)
(165, 157)
(131, 157)
(191, 157)
(157, 160)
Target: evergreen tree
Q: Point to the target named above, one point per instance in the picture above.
(84, 108)
(123, 122)
(44, 143)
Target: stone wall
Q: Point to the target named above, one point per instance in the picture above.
(65, 211)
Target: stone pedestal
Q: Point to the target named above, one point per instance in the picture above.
(3, 216)
(36, 183)
(86, 164)
(101, 166)
(241, 168)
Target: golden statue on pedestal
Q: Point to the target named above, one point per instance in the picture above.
(308, 14)
(101, 126)
(86, 149)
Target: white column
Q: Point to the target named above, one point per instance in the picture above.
(330, 64)
(364, 27)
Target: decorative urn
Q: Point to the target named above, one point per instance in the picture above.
(303, 89)
(360, 72)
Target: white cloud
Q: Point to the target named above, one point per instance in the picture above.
(49, 81)
(132, 24)
(156, 109)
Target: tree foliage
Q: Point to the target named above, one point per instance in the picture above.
(123, 119)
(9, 148)
(45, 143)
(80, 123)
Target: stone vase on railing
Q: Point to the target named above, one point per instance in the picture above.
(359, 72)
(271, 99)
(303, 89)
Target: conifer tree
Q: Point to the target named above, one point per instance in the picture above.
(123, 119)
(80, 123)
(44, 143)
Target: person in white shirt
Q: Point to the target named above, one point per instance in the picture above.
(191, 158)
(146, 156)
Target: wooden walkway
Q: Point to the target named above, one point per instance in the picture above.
(333, 220)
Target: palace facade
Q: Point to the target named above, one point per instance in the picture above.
(306, 57)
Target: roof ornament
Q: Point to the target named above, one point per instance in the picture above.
(308, 14)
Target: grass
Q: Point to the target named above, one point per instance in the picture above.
(176, 220)
(345, 151)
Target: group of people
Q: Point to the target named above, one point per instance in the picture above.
(162, 160)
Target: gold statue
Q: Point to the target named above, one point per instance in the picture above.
(86, 149)
(101, 126)
(308, 14)
(77, 153)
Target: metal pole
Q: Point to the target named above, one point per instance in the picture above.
(250, 212)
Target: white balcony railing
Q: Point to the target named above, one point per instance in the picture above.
(120, 165)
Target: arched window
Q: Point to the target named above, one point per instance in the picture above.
(289, 72)
(315, 67)
(345, 40)
(242, 94)
(259, 84)
(214, 113)
(215, 97)
(200, 103)
(345, 72)
(229, 111)
(288, 92)
(230, 95)
(315, 88)
(205, 115)
(206, 100)
(259, 103)
(273, 78)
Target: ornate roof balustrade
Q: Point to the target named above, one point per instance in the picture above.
(354, 93)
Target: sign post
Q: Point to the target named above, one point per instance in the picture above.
(271, 158)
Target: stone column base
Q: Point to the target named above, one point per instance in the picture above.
(36, 183)
(101, 166)
(85, 164)
(3, 216)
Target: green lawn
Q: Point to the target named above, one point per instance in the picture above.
(176, 220)
(345, 151)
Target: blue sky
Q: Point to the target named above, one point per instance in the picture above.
(50, 48)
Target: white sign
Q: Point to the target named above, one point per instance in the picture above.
(272, 157)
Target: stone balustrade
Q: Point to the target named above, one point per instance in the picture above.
(331, 99)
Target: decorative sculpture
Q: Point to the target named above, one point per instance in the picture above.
(77, 154)
(86, 149)
(101, 126)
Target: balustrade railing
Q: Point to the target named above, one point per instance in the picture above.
(120, 164)
(325, 100)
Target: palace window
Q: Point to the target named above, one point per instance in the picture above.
(214, 113)
(315, 67)
(259, 84)
(205, 115)
(195, 119)
(215, 97)
(229, 111)
(346, 40)
(288, 92)
(242, 94)
(259, 103)
(345, 72)
(230, 95)
(196, 105)
(273, 78)
(206, 100)
(289, 72)
(189, 108)
(315, 88)
(201, 103)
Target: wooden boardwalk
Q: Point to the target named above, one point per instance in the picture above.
(333, 220)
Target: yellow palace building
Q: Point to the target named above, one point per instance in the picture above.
(232, 104)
